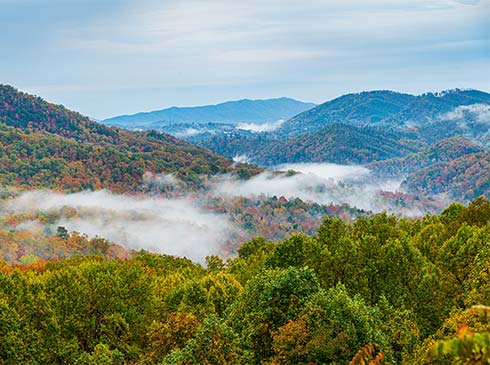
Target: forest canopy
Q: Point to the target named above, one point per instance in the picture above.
(398, 290)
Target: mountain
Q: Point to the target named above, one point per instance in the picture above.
(442, 151)
(249, 111)
(363, 128)
(47, 145)
(355, 109)
(462, 179)
(337, 143)
(385, 109)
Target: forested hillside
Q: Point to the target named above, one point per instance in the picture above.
(190, 211)
(426, 139)
(382, 108)
(36, 232)
(432, 106)
(403, 291)
(45, 145)
(462, 178)
(365, 127)
(366, 108)
(337, 143)
(442, 151)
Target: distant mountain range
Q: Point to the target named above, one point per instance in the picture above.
(231, 112)
(438, 143)
(396, 135)
(362, 128)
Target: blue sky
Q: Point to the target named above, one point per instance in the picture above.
(111, 57)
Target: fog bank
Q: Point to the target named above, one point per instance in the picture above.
(321, 183)
(263, 127)
(175, 227)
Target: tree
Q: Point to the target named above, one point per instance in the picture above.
(214, 343)
(267, 303)
(330, 329)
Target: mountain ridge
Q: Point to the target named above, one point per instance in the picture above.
(462, 179)
(384, 108)
(442, 151)
(335, 143)
(243, 110)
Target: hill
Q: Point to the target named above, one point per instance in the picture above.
(367, 127)
(442, 151)
(252, 111)
(430, 107)
(337, 143)
(382, 108)
(47, 145)
(368, 107)
(471, 121)
(461, 179)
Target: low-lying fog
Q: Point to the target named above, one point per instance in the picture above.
(181, 227)
(170, 226)
(322, 183)
(263, 127)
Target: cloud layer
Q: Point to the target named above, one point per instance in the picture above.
(479, 113)
(149, 54)
(327, 170)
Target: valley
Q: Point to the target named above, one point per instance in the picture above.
(111, 182)
(203, 226)
(244, 183)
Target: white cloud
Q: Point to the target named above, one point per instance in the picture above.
(162, 181)
(327, 170)
(242, 159)
(174, 227)
(180, 227)
(479, 113)
(320, 183)
(190, 132)
(264, 127)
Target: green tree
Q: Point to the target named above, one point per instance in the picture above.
(267, 303)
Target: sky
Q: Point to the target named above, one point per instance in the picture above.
(111, 57)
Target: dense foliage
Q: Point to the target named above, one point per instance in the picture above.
(401, 291)
(30, 235)
(462, 178)
(442, 151)
(47, 145)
